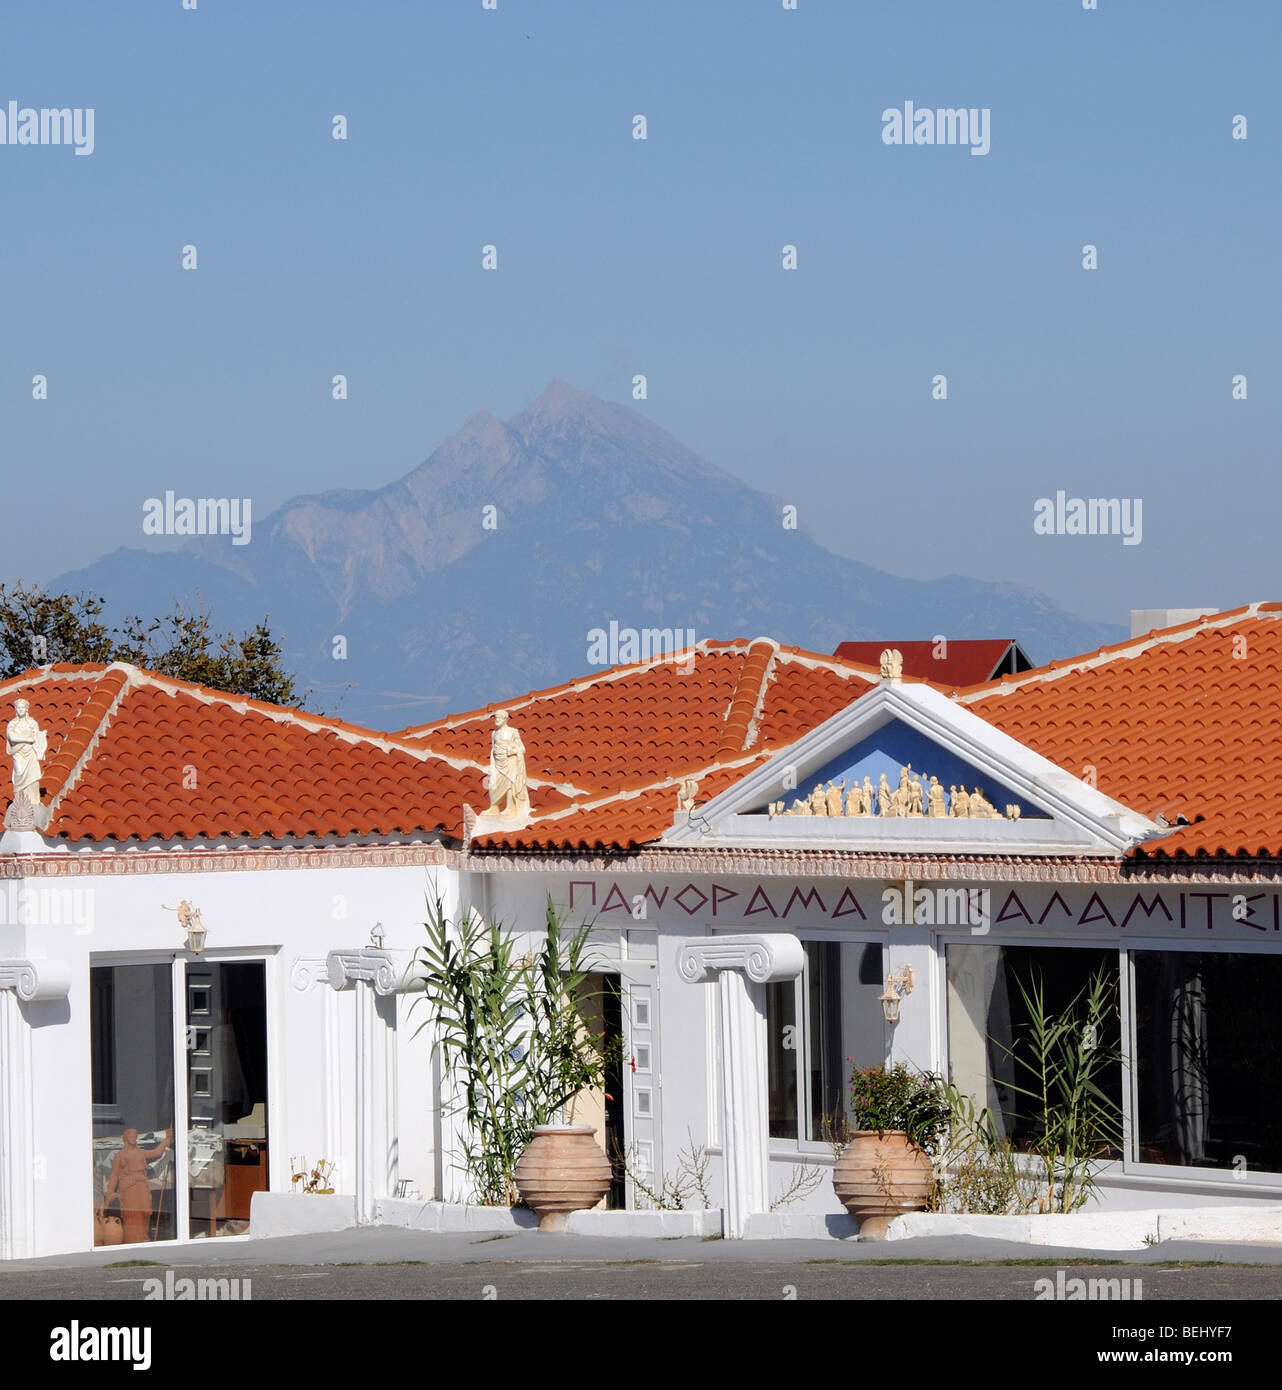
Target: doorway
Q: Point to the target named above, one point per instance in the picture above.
(171, 1161)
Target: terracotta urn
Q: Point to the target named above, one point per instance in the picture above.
(879, 1177)
(562, 1170)
(107, 1230)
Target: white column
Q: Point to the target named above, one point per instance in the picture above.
(21, 981)
(743, 966)
(375, 975)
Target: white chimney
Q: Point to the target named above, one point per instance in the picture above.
(1147, 619)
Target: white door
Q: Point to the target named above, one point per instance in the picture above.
(639, 987)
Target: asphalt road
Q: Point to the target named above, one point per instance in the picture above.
(641, 1280)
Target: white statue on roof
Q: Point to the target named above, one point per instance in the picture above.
(27, 744)
(892, 665)
(509, 796)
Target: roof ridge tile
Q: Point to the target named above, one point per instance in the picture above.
(86, 729)
(744, 711)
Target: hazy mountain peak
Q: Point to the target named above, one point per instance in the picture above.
(558, 397)
(561, 407)
(481, 572)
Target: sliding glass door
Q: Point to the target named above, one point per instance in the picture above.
(148, 1185)
(131, 1011)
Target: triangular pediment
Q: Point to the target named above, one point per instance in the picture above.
(905, 769)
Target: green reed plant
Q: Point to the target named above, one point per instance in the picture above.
(510, 1035)
(1068, 1062)
(1063, 1064)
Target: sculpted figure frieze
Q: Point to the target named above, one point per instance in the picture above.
(917, 795)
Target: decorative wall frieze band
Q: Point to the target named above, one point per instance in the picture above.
(761, 958)
(114, 864)
(758, 864)
(36, 979)
(1068, 869)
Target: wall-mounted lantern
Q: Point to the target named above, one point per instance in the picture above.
(189, 921)
(899, 980)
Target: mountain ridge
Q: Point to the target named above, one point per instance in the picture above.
(599, 513)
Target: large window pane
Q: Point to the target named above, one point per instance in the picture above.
(781, 1058)
(823, 1023)
(990, 1024)
(1208, 1059)
(840, 1026)
(132, 1068)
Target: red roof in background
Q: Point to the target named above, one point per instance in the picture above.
(1186, 721)
(965, 662)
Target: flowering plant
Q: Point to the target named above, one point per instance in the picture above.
(317, 1180)
(898, 1098)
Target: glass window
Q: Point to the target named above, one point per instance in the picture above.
(131, 1019)
(989, 1023)
(1208, 1059)
(140, 1174)
(782, 1057)
(818, 1027)
(824, 1055)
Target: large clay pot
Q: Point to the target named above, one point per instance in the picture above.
(879, 1177)
(107, 1230)
(562, 1170)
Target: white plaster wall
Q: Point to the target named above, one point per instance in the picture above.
(289, 915)
(685, 1016)
(920, 1038)
(283, 915)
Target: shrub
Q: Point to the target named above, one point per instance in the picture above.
(897, 1097)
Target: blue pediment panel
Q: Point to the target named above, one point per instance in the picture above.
(1017, 801)
(886, 754)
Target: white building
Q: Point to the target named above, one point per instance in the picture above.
(1132, 830)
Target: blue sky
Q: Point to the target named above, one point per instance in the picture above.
(616, 256)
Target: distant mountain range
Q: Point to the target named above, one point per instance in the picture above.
(599, 515)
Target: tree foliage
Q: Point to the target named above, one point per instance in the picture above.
(38, 628)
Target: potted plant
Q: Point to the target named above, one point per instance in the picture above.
(896, 1114)
(511, 1035)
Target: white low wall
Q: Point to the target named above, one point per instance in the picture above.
(450, 1218)
(657, 1225)
(296, 1214)
(289, 1214)
(1102, 1230)
(799, 1225)
(293, 1214)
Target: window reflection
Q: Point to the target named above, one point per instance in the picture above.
(840, 1026)
(132, 1068)
(1208, 1059)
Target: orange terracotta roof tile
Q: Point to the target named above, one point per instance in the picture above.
(1182, 722)
(133, 755)
(626, 821)
(632, 725)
